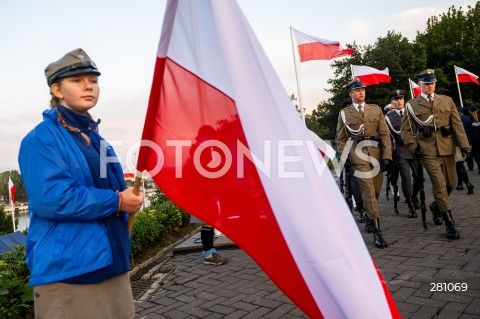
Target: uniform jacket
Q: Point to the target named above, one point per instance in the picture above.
(400, 148)
(374, 125)
(66, 237)
(446, 114)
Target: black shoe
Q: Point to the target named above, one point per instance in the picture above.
(437, 217)
(459, 187)
(378, 239)
(412, 214)
(451, 231)
(470, 188)
(368, 225)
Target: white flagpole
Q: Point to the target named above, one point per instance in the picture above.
(297, 74)
(458, 85)
(353, 74)
(411, 89)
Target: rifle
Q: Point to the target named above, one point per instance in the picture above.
(417, 172)
(392, 178)
(347, 185)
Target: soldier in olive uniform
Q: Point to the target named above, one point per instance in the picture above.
(429, 130)
(363, 125)
(402, 155)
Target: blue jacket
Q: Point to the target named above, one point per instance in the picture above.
(66, 237)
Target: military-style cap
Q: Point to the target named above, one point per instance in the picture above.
(427, 76)
(397, 94)
(72, 63)
(473, 108)
(464, 110)
(355, 84)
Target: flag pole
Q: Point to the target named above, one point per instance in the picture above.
(458, 85)
(411, 89)
(353, 74)
(297, 75)
(136, 191)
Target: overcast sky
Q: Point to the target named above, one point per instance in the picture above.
(122, 38)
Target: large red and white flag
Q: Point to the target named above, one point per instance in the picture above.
(414, 88)
(313, 48)
(465, 76)
(11, 189)
(370, 76)
(222, 140)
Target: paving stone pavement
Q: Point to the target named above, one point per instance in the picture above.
(422, 269)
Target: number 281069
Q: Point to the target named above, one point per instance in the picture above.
(448, 287)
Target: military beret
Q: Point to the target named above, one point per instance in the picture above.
(353, 85)
(72, 63)
(397, 94)
(427, 76)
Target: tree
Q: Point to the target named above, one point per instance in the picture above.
(6, 225)
(453, 38)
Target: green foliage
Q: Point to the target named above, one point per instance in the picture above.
(16, 297)
(161, 216)
(452, 38)
(6, 225)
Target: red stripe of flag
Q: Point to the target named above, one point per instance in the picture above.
(466, 76)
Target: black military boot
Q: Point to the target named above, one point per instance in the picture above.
(452, 232)
(377, 235)
(437, 217)
(470, 188)
(368, 224)
(411, 209)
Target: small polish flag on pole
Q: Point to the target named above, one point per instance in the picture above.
(465, 76)
(11, 188)
(370, 76)
(313, 48)
(11, 192)
(414, 89)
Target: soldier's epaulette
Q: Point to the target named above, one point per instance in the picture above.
(375, 105)
(346, 107)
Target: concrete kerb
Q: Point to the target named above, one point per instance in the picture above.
(160, 255)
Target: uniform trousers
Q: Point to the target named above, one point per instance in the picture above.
(406, 173)
(443, 175)
(370, 187)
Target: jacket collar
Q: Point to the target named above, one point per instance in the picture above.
(355, 113)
